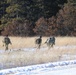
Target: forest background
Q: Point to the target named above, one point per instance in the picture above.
(38, 17)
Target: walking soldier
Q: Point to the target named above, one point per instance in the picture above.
(38, 42)
(6, 42)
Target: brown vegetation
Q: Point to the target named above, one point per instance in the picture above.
(20, 57)
(39, 19)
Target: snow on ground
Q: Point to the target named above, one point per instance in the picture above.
(68, 47)
(55, 68)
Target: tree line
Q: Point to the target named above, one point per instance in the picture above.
(38, 17)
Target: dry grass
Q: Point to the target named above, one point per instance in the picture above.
(22, 58)
(22, 42)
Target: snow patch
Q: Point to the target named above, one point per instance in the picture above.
(41, 69)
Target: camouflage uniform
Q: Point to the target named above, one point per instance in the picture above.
(50, 41)
(6, 42)
(39, 41)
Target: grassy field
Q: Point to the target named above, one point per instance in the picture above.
(20, 57)
(22, 42)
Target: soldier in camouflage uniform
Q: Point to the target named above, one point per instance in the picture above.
(38, 41)
(6, 42)
(50, 41)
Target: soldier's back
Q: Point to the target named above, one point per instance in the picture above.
(6, 40)
(38, 40)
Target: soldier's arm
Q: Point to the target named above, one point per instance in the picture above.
(10, 41)
(3, 42)
(46, 41)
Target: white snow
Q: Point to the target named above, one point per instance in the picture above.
(68, 47)
(55, 68)
(51, 68)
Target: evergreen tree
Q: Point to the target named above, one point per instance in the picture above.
(3, 6)
(67, 19)
(30, 10)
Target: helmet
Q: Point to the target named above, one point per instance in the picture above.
(40, 36)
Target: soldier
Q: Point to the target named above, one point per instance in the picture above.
(38, 41)
(6, 42)
(53, 40)
(50, 41)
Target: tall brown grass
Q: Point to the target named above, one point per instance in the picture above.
(20, 57)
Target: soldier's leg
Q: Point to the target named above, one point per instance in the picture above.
(6, 47)
(39, 46)
(52, 45)
(53, 42)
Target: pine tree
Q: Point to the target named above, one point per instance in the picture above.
(3, 6)
(67, 18)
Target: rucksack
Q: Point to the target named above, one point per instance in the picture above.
(7, 40)
(38, 41)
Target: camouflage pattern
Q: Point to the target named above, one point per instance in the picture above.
(38, 42)
(6, 42)
(50, 42)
